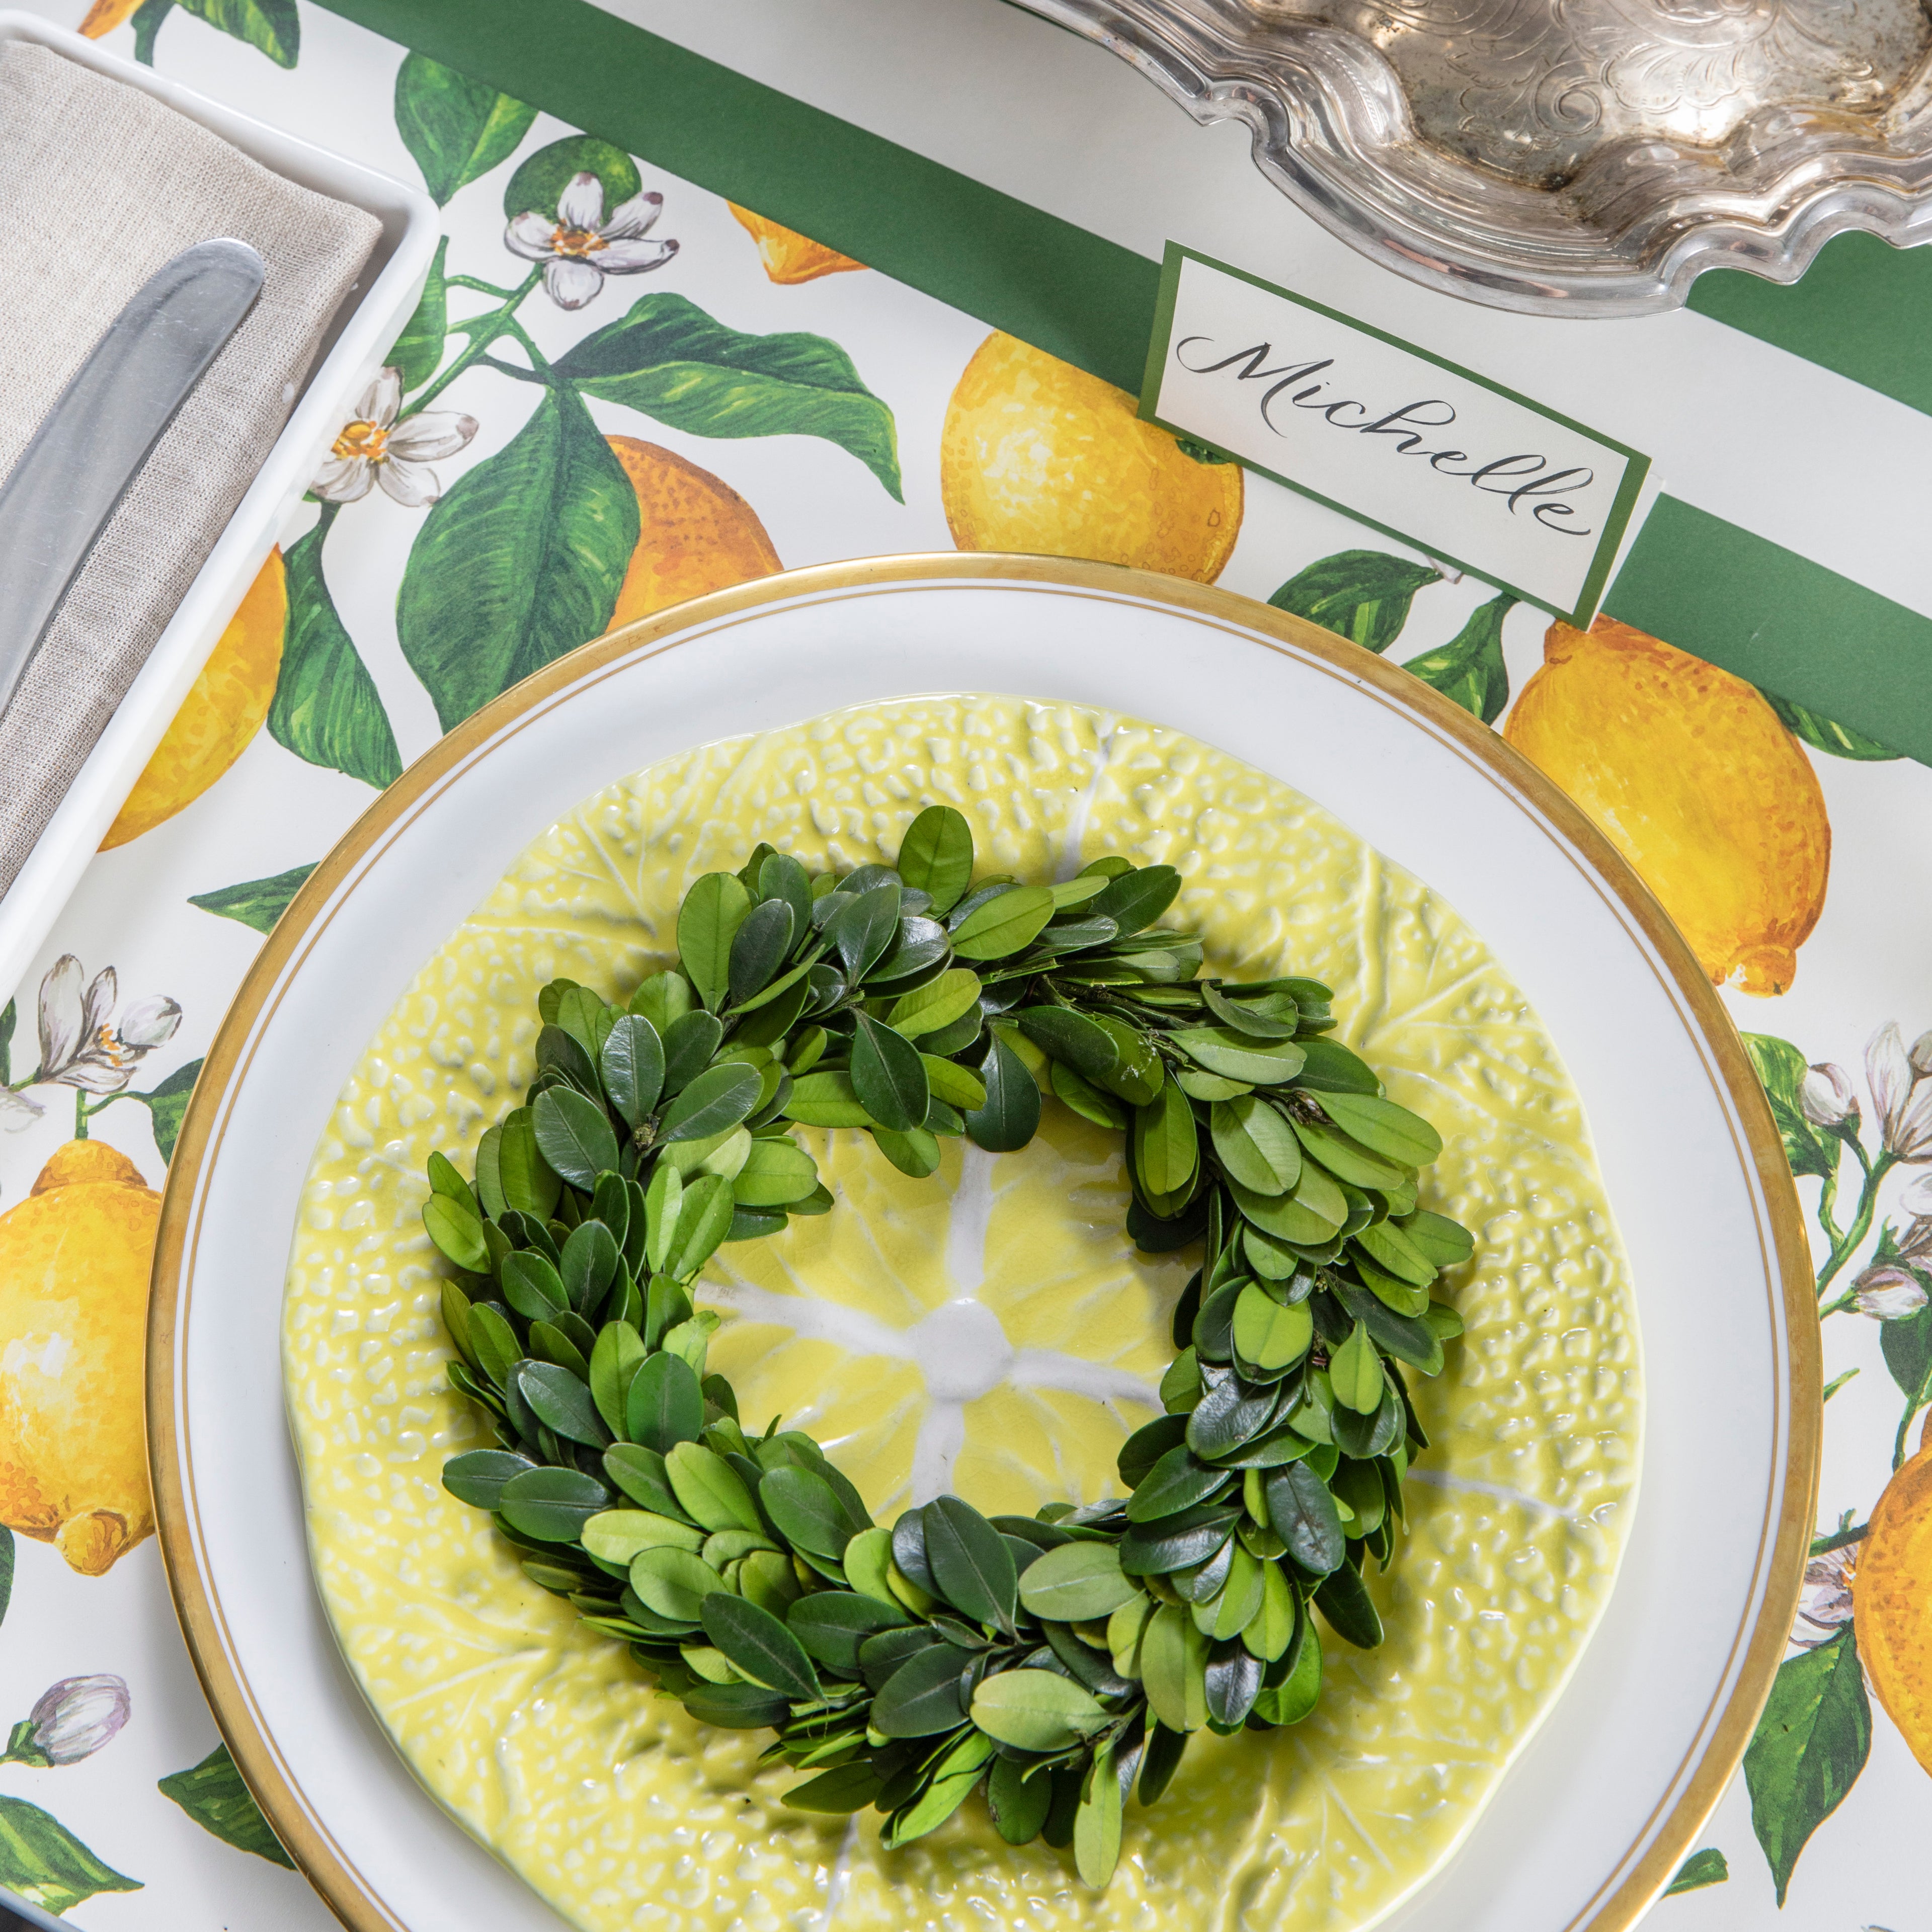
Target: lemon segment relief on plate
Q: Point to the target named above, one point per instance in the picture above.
(990, 1330)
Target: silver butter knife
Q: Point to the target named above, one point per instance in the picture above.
(103, 427)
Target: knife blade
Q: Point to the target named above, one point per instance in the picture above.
(103, 427)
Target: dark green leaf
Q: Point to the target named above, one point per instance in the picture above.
(561, 1402)
(714, 1103)
(664, 1406)
(1343, 1598)
(1177, 1481)
(936, 856)
(545, 175)
(641, 1474)
(971, 1562)
(1329, 1067)
(6, 1570)
(254, 902)
(1234, 1681)
(1841, 741)
(167, 1104)
(845, 1788)
(1019, 1803)
(1074, 1038)
(806, 1511)
(759, 1644)
(667, 358)
(689, 1042)
(532, 1286)
(520, 562)
(552, 1505)
(864, 927)
(478, 1478)
(271, 27)
(1907, 1345)
(888, 1076)
(758, 948)
(1808, 1749)
(418, 349)
(588, 1265)
(1176, 1542)
(457, 129)
(832, 1624)
(1136, 899)
(1709, 1867)
(921, 1699)
(1161, 1760)
(1011, 1116)
(326, 708)
(1233, 1412)
(632, 1066)
(1302, 1512)
(1469, 669)
(575, 1136)
(736, 1707)
(212, 1794)
(1364, 595)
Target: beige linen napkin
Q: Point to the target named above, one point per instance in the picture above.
(100, 184)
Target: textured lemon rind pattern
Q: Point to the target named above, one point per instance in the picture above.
(542, 1739)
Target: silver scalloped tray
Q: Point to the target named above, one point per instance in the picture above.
(1586, 158)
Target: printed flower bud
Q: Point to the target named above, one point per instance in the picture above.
(1921, 1054)
(1889, 1294)
(73, 1719)
(1825, 1096)
(1916, 1197)
(1903, 1100)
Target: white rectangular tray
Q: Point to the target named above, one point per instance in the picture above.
(352, 349)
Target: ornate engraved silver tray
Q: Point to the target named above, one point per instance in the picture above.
(1586, 158)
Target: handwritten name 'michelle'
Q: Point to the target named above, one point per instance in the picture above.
(1520, 478)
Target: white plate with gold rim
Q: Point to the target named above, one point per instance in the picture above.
(1609, 1793)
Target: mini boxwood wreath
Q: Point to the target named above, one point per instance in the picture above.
(1053, 1660)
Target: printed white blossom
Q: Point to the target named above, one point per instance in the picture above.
(1916, 1197)
(1903, 1098)
(373, 447)
(1920, 1055)
(73, 1719)
(1889, 1293)
(580, 247)
(81, 1043)
(1826, 1097)
(1826, 1604)
(18, 1110)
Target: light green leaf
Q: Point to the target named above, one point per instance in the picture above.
(668, 359)
(1355, 1372)
(1035, 1710)
(707, 922)
(1005, 924)
(1254, 1144)
(47, 1865)
(710, 1491)
(936, 857)
(936, 1004)
(1076, 1583)
(1266, 1333)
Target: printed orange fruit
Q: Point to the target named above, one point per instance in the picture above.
(104, 15)
(1892, 1602)
(73, 1306)
(695, 533)
(223, 710)
(788, 256)
(1038, 456)
(1688, 772)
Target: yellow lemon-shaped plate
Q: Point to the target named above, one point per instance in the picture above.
(990, 1331)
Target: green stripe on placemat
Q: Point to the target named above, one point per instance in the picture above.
(1815, 638)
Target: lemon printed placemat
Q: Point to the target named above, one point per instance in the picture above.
(990, 1331)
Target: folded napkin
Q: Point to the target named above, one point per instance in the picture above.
(100, 184)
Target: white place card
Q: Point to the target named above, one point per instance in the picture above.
(1467, 471)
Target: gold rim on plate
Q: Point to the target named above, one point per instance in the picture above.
(1783, 1542)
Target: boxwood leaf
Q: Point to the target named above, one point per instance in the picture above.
(888, 1076)
(921, 1699)
(664, 1406)
(971, 1562)
(632, 1066)
(552, 1505)
(708, 921)
(936, 857)
(1076, 1583)
(1302, 1512)
(574, 1136)
(759, 1644)
(1035, 1710)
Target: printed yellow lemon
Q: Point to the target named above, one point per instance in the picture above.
(74, 1305)
(1891, 1598)
(788, 256)
(1038, 456)
(104, 15)
(223, 710)
(696, 533)
(1690, 775)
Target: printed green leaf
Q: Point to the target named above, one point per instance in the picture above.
(539, 180)
(668, 359)
(419, 348)
(1364, 595)
(1907, 1345)
(457, 129)
(47, 1865)
(1782, 1069)
(6, 1570)
(254, 902)
(1822, 734)
(1469, 669)
(1809, 1748)
(520, 562)
(212, 1794)
(1709, 1867)
(167, 1103)
(326, 709)
(272, 26)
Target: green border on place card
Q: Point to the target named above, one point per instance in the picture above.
(1636, 465)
